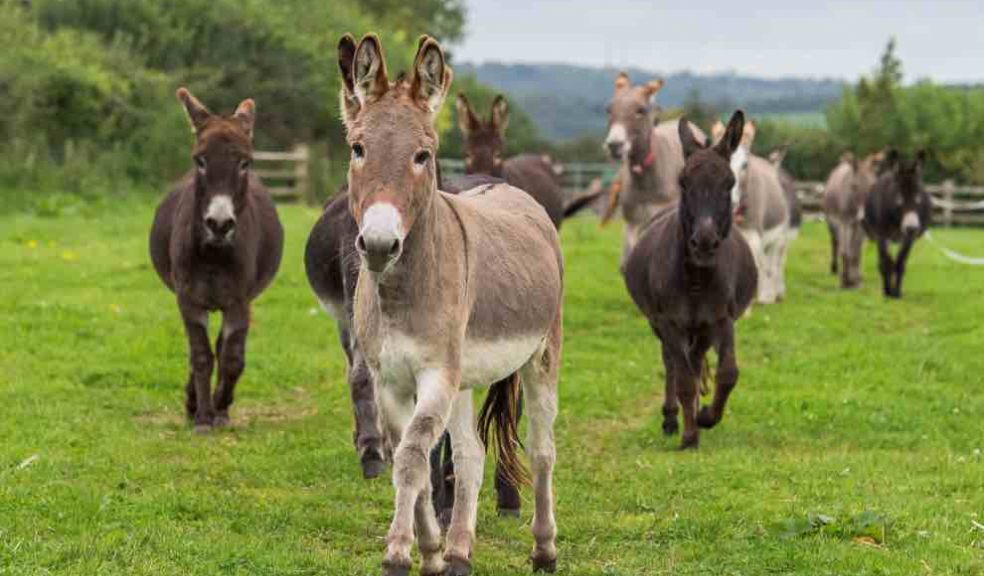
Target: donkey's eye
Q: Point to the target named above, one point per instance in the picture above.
(200, 163)
(421, 157)
(244, 165)
(358, 151)
(641, 110)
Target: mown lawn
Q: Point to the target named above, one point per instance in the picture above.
(852, 444)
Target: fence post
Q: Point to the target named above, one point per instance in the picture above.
(948, 190)
(302, 184)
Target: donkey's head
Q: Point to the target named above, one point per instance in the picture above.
(630, 120)
(484, 140)
(906, 174)
(706, 183)
(390, 128)
(223, 153)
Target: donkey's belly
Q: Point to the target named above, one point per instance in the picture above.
(484, 362)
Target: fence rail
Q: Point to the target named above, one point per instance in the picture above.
(285, 174)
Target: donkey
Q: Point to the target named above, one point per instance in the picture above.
(897, 210)
(762, 213)
(216, 242)
(693, 277)
(332, 267)
(453, 293)
(844, 197)
(651, 156)
(535, 173)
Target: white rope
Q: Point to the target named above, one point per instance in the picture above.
(955, 256)
(957, 206)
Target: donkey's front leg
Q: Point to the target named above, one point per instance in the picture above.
(231, 352)
(202, 362)
(469, 462)
(886, 266)
(411, 474)
(671, 403)
(725, 378)
(900, 260)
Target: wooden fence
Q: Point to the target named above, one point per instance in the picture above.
(286, 174)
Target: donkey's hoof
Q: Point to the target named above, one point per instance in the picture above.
(690, 443)
(221, 420)
(458, 567)
(372, 464)
(508, 512)
(395, 570)
(705, 418)
(670, 426)
(544, 564)
(203, 429)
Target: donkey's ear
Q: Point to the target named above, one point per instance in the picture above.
(369, 70)
(246, 115)
(466, 116)
(891, 159)
(500, 114)
(431, 75)
(622, 81)
(687, 138)
(348, 103)
(732, 135)
(198, 114)
(920, 157)
(652, 87)
(717, 131)
(748, 134)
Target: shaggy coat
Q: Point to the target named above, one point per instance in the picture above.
(216, 242)
(693, 276)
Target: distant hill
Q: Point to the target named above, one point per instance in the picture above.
(568, 101)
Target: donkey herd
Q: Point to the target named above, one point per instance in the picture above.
(440, 286)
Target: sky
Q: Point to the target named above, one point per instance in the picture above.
(938, 39)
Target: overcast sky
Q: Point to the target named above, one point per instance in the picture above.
(938, 39)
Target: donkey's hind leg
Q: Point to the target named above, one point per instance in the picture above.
(368, 437)
(539, 378)
(469, 463)
(725, 378)
(231, 352)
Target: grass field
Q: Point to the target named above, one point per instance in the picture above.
(852, 444)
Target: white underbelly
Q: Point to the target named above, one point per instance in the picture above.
(483, 362)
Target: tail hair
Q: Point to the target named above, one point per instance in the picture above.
(501, 412)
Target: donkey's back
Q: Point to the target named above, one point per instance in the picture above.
(514, 258)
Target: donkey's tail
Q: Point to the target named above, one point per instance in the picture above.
(501, 410)
(705, 377)
(584, 200)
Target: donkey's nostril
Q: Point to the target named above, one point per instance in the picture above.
(395, 248)
(615, 149)
(360, 244)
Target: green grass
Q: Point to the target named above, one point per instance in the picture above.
(852, 444)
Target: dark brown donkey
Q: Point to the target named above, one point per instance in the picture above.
(485, 142)
(216, 242)
(897, 210)
(692, 275)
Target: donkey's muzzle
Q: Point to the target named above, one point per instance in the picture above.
(380, 239)
(377, 251)
(615, 150)
(220, 229)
